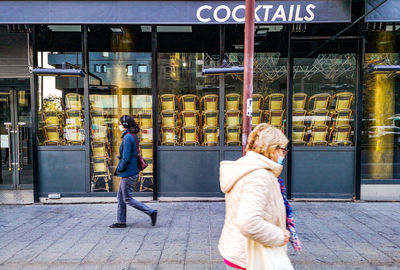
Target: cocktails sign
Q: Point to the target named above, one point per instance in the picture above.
(173, 12)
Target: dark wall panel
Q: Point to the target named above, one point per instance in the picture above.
(232, 155)
(62, 171)
(323, 174)
(188, 173)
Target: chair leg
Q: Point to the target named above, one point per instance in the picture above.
(106, 183)
(141, 182)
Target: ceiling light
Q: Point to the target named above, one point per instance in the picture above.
(116, 29)
(65, 28)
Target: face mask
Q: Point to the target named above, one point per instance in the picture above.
(121, 128)
(280, 160)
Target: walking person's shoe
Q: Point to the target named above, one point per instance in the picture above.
(118, 225)
(153, 217)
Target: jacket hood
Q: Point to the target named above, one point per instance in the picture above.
(230, 172)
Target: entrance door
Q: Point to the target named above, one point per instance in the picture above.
(15, 133)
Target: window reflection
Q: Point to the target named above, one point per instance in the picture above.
(381, 115)
(269, 99)
(61, 110)
(323, 100)
(117, 90)
(188, 101)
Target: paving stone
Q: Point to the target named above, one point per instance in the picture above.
(334, 236)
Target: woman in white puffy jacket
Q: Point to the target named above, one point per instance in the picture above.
(254, 205)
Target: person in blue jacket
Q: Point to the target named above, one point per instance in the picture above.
(128, 170)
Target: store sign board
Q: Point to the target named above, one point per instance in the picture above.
(388, 12)
(173, 12)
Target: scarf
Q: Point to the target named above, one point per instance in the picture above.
(294, 239)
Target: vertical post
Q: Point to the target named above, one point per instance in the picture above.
(248, 70)
(221, 91)
(34, 113)
(85, 68)
(289, 112)
(155, 107)
(358, 114)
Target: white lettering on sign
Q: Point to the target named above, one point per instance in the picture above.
(198, 13)
(309, 9)
(235, 10)
(263, 13)
(224, 19)
(279, 14)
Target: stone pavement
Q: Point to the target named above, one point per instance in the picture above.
(334, 235)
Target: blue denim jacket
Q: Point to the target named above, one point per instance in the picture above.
(128, 152)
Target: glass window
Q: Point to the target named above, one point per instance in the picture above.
(119, 90)
(269, 79)
(323, 98)
(129, 70)
(188, 101)
(61, 107)
(381, 111)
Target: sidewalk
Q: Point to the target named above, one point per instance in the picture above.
(334, 235)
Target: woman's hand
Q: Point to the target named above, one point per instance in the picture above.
(286, 236)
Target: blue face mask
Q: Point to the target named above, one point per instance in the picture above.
(280, 160)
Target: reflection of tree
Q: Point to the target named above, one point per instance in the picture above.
(52, 103)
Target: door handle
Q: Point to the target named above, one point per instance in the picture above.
(20, 140)
(10, 163)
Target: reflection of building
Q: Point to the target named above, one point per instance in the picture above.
(68, 126)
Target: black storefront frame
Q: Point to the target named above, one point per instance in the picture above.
(221, 148)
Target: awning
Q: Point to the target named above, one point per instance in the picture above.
(388, 12)
(172, 12)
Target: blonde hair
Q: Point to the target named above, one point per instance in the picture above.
(265, 139)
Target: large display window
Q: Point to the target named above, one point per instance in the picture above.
(188, 101)
(60, 98)
(120, 84)
(269, 79)
(323, 97)
(381, 109)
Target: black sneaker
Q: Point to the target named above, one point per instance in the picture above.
(153, 217)
(118, 225)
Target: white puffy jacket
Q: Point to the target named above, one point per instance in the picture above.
(254, 205)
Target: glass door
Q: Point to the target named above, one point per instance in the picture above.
(15, 134)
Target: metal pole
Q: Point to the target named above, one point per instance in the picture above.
(248, 70)
(154, 86)
(289, 114)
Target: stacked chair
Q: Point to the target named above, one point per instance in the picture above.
(52, 126)
(169, 119)
(326, 122)
(275, 112)
(257, 114)
(233, 119)
(210, 119)
(145, 118)
(100, 150)
(100, 166)
(299, 119)
(189, 120)
(74, 120)
(341, 128)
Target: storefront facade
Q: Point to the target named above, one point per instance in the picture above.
(145, 59)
